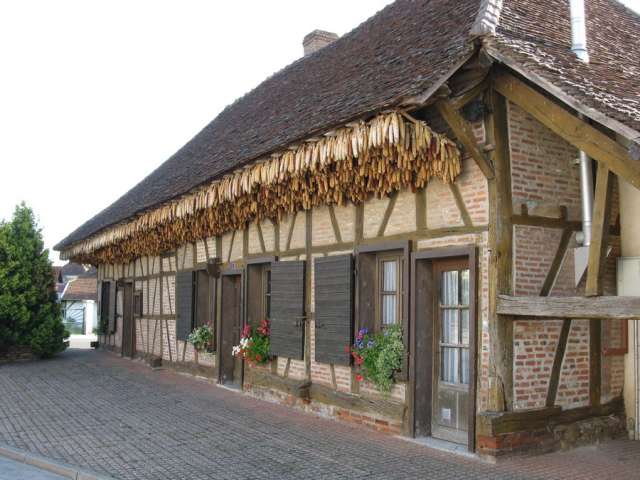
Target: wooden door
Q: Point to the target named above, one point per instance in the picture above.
(128, 323)
(230, 329)
(451, 366)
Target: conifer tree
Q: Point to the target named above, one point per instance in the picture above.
(29, 311)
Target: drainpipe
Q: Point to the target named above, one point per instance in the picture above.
(578, 30)
(581, 254)
(586, 194)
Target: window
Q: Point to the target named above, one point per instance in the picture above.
(453, 306)
(258, 286)
(266, 291)
(203, 297)
(105, 296)
(137, 303)
(389, 298)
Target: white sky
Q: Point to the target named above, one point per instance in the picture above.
(95, 94)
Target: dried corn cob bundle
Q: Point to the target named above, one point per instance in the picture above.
(392, 151)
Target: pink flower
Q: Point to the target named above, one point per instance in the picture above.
(246, 331)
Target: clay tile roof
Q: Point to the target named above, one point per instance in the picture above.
(403, 50)
(536, 35)
(72, 269)
(407, 48)
(82, 288)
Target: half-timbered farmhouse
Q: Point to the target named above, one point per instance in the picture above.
(466, 170)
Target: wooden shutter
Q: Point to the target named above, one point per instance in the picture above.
(366, 276)
(184, 304)
(287, 309)
(334, 308)
(113, 302)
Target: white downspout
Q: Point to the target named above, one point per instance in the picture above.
(578, 30)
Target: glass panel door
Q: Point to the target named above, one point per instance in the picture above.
(452, 336)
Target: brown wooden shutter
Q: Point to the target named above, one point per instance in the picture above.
(184, 304)
(366, 277)
(333, 308)
(113, 302)
(287, 309)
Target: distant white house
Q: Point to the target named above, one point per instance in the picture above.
(79, 300)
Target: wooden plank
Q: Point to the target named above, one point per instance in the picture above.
(500, 240)
(574, 130)
(334, 224)
(605, 307)
(496, 423)
(291, 228)
(386, 407)
(421, 209)
(599, 231)
(387, 213)
(464, 133)
(595, 362)
(552, 274)
(554, 379)
(464, 213)
(263, 379)
(461, 100)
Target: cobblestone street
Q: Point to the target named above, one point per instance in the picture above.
(118, 417)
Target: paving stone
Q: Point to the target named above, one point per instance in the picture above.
(117, 417)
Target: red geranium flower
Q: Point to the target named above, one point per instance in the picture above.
(359, 377)
(246, 331)
(359, 360)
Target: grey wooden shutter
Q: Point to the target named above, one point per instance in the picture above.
(113, 301)
(334, 308)
(366, 291)
(184, 304)
(287, 309)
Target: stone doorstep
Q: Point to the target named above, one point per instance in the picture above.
(58, 468)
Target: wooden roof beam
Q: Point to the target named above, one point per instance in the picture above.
(464, 133)
(581, 308)
(599, 231)
(575, 131)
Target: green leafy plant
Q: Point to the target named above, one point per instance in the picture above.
(254, 344)
(379, 356)
(202, 338)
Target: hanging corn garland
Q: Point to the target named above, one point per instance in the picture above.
(390, 152)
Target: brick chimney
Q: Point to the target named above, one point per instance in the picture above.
(317, 39)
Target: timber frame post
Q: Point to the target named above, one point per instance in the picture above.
(500, 254)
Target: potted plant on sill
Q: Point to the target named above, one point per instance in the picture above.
(202, 338)
(378, 357)
(254, 344)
